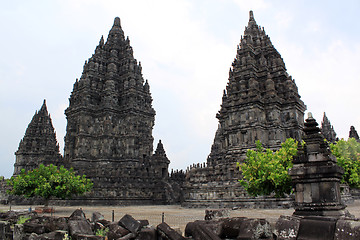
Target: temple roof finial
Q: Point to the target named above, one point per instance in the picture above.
(117, 22)
(251, 16)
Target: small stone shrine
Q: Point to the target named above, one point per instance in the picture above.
(327, 130)
(353, 134)
(39, 145)
(316, 176)
(319, 211)
(261, 102)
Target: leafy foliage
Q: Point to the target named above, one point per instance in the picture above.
(23, 219)
(347, 154)
(49, 181)
(102, 232)
(265, 172)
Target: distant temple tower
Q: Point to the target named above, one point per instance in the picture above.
(353, 133)
(261, 102)
(328, 130)
(39, 145)
(109, 127)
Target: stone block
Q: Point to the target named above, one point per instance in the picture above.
(231, 227)
(212, 214)
(147, 234)
(77, 227)
(214, 226)
(117, 229)
(287, 227)
(128, 236)
(78, 214)
(165, 232)
(143, 223)
(30, 227)
(128, 222)
(19, 233)
(87, 237)
(347, 230)
(319, 228)
(5, 230)
(255, 229)
(202, 232)
(96, 216)
(55, 235)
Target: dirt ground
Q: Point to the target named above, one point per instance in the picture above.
(174, 215)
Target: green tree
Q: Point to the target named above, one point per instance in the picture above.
(265, 172)
(347, 154)
(49, 181)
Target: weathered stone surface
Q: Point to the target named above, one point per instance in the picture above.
(347, 229)
(5, 230)
(128, 222)
(231, 227)
(319, 228)
(78, 214)
(261, 102)
(165, 232)
(56, 235)
(148, 233)
(255, 229)
(87, 237)
(287, 227)
(216, 226)
(203, 232)
(77, 227)
(30, 227)
(128, 236)
(19, 233)
(212, 214)
(117, 229)
(96, 216)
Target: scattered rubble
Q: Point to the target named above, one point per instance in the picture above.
(77, 227)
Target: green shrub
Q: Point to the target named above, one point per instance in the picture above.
(347, 154)
(265, 172)
(23, 219)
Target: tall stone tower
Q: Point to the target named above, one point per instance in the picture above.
(328, 130)
(109, 126)
(261, 102)
(39, 145)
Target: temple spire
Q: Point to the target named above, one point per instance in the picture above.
(251, 16)
(117, 22)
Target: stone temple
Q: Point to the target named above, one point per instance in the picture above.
(261, 102)
(39, 144)
(110, 120)
(328, 130)
(109, 130)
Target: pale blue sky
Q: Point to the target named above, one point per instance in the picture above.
(186, 49)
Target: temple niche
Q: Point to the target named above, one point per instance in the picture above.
(109, 128)
(39, 145)
(260, 102)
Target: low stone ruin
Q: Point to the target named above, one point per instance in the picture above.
(78, 227)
